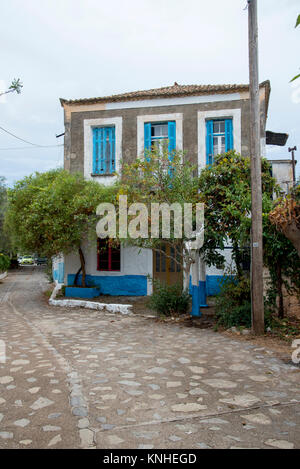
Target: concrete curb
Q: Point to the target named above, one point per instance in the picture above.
(108, 307)
(2, 276)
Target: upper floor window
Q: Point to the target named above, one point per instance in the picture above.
(109, 256)
(219, 138)
(104, 151)
(156, 134)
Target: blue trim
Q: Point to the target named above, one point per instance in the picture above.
(228, 135)
(59, 273)
(196, 313)
(116, 285)
(202, 294)
(211, 287)
(213, 284)
(209, 141)
(210, 138)
(75, 292)
(171, 137)
(147, 137)
(100, 136)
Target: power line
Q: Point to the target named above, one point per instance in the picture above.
(25, 141)
(32, 148)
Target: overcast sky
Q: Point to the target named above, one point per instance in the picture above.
(87, 48)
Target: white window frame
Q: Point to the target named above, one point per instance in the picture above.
(203, 116)
(141, 121)
(88, 126)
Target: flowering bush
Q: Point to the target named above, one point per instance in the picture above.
(4, 262)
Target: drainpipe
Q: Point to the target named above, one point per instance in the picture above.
(195, 289)
(202, 284)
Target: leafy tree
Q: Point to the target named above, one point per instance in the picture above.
(226, 191)
(4, 239)
(162, 178)
(16, 85)
(297, 24)
(286, 217)
(51, 213)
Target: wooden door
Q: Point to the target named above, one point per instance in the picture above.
(165, 269)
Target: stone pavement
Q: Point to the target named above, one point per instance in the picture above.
(78, 378)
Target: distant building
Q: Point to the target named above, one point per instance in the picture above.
(282, 171)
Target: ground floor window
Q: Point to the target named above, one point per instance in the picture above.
(108, 256)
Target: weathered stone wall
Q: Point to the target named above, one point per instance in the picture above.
(74, 136)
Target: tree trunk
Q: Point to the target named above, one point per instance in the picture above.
(82, 262)
(76, 276)
(187, 270)
(279, 291)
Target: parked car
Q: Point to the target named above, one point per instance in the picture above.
(41, 260)
(27, 260)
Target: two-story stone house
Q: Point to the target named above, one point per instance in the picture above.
(203, 121)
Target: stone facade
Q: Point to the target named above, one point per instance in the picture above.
(189, 109)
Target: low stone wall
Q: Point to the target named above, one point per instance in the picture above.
(108, 307)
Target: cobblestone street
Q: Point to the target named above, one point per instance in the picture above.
(78, 378)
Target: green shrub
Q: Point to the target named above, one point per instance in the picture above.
(233, 305)
(169, 299)
(4, 262)
(48, 270)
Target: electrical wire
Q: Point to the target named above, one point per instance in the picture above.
(25, 141)
(32, 148)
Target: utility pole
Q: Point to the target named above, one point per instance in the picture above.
(257, 297)
(293, 163)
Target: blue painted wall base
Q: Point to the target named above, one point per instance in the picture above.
(77, 292)
(118, 285)
(196, 313)
(202, 294)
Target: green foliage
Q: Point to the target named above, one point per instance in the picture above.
(48, 270)
(49, 213)
(225, 188)
(161, 178)
(16, 85)
(297, 24)
(4, 262)
(169, 299)
(4, 238)
(233, 305)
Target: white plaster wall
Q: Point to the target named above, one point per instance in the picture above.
(56, 260)
(227, 253)
(283, 173)
(133, 262)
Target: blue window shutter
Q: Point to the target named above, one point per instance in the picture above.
(102, 147)
(112, 150)
(171, 136)
(147, 137)
(95, 151)
(209, 141)
(228, 135)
